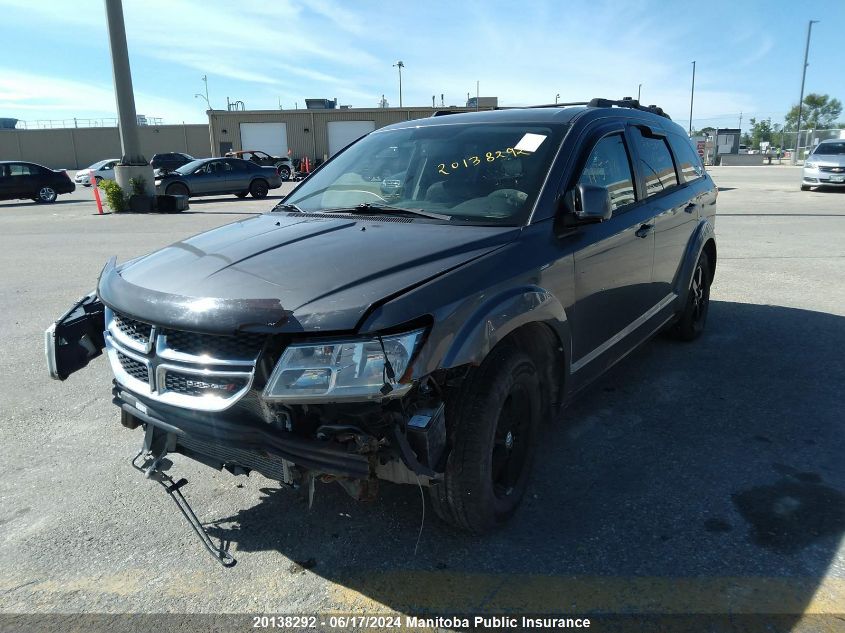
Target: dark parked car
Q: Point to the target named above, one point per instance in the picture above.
(413, 326)
(215, 176)
(27, 181)
(283, 164)
(167, 162)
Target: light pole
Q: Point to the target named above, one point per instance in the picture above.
(400, 66)
(201, 96)
(132, 162)
(557, 96)
(691, 97)
(639, 92)
(801, 98)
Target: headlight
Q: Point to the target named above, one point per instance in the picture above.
(810, 164)
(343, 370)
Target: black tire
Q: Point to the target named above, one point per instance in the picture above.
(98, 180)
(241, 194)
(692, 320)
(493, 423)
(177, 189)
(45, 195)
(284, 172)
(805, 187)
(259, 189)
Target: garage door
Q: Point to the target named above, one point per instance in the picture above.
(342, 133)
(267, 137)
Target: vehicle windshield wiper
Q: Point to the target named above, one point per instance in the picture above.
(368, 208)
(287, 206)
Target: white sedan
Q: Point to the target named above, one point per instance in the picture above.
(103, 170)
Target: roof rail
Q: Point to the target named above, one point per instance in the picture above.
(550, 105)
(627, 102)
(446, 112)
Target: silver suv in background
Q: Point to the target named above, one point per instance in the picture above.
(825, 166)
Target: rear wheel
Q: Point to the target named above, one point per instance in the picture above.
(284, 171)
(259, 189)
(177, 189)
(493, 435)
(46, 195)
(691, 323)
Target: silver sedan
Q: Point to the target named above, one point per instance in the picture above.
(215, 176)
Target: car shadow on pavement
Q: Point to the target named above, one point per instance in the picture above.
(31, 203)
(704, 477)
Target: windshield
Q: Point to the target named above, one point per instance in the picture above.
(475, 172)
(830, 148)
(100, 163)
(189, 168)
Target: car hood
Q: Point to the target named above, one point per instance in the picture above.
(291, 273)
(828, 159)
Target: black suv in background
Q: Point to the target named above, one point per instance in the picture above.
(165, 163)
(416, 307)
(28, 181)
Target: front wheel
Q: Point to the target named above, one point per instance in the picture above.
(493, 433)
(259, 189)
(284, 172)
(805, 187)
(46, 195)
(177, 189)
(691, 323)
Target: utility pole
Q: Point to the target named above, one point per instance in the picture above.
(400, 66)
(639, 91)
(691, 97)
(801, 98)
(132, 162)
(477, 93)
(740, 122)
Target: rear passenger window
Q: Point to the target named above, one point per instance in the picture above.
(609, 166)
(19, 170)
(689, 162)
(655, 163)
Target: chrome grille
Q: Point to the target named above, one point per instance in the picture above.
(833, 170)
(138, 331)
(244, 346)
(200, 386)
(184, 369)
(134, 368)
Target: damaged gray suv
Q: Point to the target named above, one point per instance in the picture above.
(414, 309)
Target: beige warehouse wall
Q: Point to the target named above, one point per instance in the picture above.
(225, 125)
(76, 148)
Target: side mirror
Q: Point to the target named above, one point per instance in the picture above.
(592, 202)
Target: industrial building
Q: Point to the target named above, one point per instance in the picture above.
(314, 132)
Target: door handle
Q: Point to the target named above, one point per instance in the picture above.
(690, 207)
(644, 230)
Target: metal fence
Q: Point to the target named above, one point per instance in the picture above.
(52, 124)
(809, 138)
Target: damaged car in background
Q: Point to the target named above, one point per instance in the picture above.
(416, 326)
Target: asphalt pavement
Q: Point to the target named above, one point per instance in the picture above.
(704, 477)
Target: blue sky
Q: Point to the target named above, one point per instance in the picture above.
(56, 65)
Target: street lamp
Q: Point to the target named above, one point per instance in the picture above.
(801, 99)
(400, 66)
(199, 96)
(691, 96)
(557, 96)
(204, 96)
(639, 92)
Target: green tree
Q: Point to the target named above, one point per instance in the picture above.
(819, 112)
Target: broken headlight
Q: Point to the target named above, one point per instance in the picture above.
(357, 369)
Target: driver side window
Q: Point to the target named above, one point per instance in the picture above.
(609, 166)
